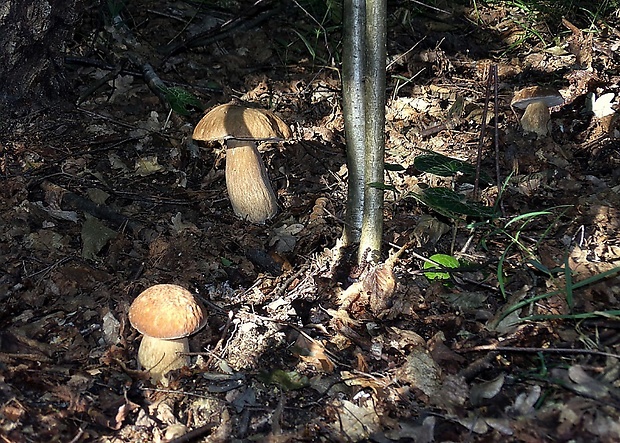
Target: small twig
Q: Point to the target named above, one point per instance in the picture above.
(8, 357)
(168, 16)
(483, 128)
(537, 350)
(299, 330)
(104, 66)
(113, 120)
(430, 7)
(220, 342)
(196, 433)
(77, 202)
(282, 287)
(403, 55)
(111, 75)
(251, 17)
(498, 175)
(391, 261)
(407, 245)
(155, 84)
(479, 365)
(452, 123)
(78, 435)
(52, 266)
(173, 391)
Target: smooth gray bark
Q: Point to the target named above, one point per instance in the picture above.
(372, 223)
(363, 79)
(353, 69)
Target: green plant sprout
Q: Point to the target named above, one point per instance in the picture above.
(515, 240)
(329, 24)
(181, 100)
(451, 204)
(444, 166)
(115, 7)
(446, 261)
(612, 314)
(444, 200)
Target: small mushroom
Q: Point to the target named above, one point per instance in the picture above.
(536, 100)
(247, 182)
(166, 315)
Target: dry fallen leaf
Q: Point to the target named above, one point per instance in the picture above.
(313, 353)
(355, 422)
(421, 372)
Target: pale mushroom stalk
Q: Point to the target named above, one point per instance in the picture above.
(536, 118)
(247, 182)
(159, 357)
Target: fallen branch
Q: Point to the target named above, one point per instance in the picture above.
(248, 19)
(76, 202)
(155, 84)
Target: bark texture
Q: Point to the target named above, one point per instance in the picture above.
(353, 106)
(33, 34)
(363, 88)
(374, 100)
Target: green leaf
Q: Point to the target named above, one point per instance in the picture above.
(225, 262)
(538, 265)
(181, 100)
(286, 380)
(379, 185)
(451, 204)
(334, 9)
(95, 235)
(393, 167)
(614, 272)
(115, 7)
(568, 278)
(309, 47)
(447, 261)
(445, 166)
(527, 216)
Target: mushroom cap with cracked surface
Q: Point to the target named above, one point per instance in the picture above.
(230, 121)
(167, 312)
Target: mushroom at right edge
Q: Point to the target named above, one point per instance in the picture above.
(536, 100)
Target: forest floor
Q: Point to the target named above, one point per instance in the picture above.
(103, 199)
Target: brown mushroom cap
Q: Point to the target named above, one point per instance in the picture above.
(238, 122)
(167, 312)
(549, 96)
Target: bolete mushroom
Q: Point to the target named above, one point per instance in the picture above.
(165, 315)
(247, 182)
(536, 100)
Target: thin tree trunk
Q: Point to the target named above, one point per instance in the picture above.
(372, 224)
(353, 69)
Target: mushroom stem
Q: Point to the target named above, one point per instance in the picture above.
(162, 356)
(247, 182)
(536, 118)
